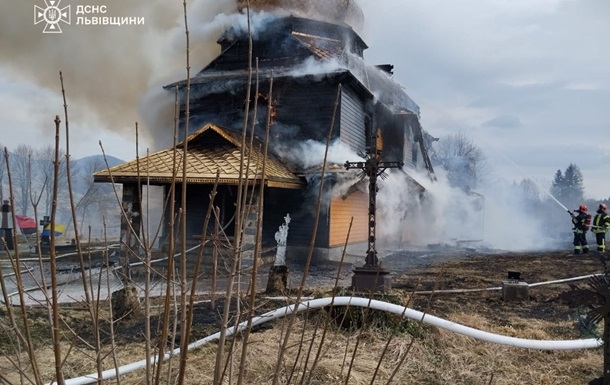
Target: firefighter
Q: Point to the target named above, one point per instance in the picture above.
(580, 229)
(601, 222)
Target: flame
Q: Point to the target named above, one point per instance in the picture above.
(264, 100)
(379, 142)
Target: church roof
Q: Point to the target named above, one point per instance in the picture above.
(210, 150)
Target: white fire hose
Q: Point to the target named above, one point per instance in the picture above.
(358, 302)
(494, 288)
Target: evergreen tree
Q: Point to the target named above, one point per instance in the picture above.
(557, 186)
(575, 190)
(568, 186)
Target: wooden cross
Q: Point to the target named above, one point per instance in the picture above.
(373, 168)
(368, 277)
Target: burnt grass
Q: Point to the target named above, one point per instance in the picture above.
(549, 302)
(206, 321)
(464, 271)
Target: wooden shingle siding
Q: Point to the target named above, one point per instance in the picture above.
(307, 106)
(232, 57)
(285, 50)
(352, 121)
(341, 213)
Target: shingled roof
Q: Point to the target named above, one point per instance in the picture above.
(322, 47)
(210, 149)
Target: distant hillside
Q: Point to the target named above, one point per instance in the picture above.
(85, 167)
(96, 162)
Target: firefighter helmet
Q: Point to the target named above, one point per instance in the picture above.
(602, 207)
(583, 208)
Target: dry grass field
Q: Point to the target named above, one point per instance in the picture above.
(360, 347)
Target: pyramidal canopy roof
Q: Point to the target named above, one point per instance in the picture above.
(210, 149)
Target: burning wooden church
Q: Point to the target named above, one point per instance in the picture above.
(307, 60)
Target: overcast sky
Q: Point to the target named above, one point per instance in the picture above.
(527, 80)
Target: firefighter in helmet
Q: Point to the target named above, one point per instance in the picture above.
(580, 229)
(601, 222)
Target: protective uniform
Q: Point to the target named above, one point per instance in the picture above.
(580, 231)
(601, 222)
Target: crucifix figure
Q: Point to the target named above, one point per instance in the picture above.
(372, 276)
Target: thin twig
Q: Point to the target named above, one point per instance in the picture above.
(312, 242)
(238, 210)
(421, 322)
(94, 319)
(17, 266)
(113, 349)
(257, 241)
(52, 255)
(171, 247)
(319, 354)
(184, 185)
(184, 341)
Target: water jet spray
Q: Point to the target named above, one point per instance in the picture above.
(536, 183)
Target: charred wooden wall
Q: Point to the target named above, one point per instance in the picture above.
(281, 51)
(305, 106)
(275, 42)
(302, 209)
(197, 203)
(303, 110)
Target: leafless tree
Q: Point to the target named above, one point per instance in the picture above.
(530, 191)
(92, 194)
(2, 174)
(464, 161)
(43, 171)
(21, 166)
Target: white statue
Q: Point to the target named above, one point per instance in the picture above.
(280, 238)
(130, 213)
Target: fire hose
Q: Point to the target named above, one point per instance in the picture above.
(358, 302)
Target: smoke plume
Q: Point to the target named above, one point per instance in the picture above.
(107, 69)
(334, 11)
(114, 74)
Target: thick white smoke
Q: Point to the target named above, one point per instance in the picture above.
(310, 154)
(108, 69)
(114, 75)
(496, 217)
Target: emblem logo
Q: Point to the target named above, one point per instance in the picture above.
(52, 15)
